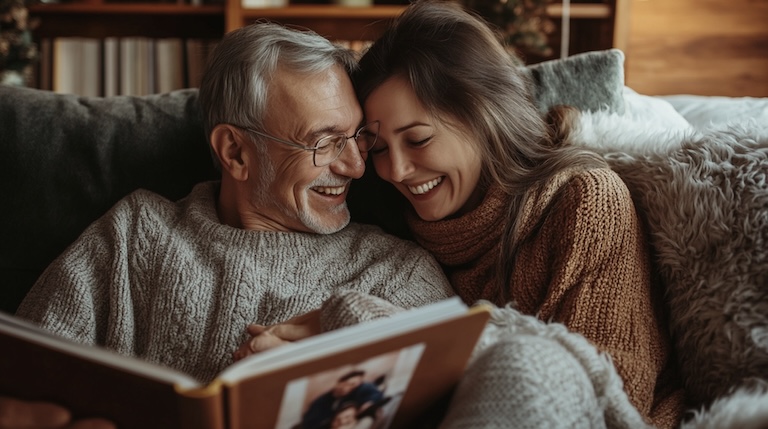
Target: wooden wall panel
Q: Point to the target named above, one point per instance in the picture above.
(704, 47)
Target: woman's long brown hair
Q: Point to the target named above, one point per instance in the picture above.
(462, 73)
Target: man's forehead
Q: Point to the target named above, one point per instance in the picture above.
(310, 89)
(311, 100)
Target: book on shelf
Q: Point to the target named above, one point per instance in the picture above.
(76, 66)
(263, 3)
(169, 65)
(401, 365)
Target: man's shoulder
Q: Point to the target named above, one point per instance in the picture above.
(143, 210)
(146, 200)
(140, 202)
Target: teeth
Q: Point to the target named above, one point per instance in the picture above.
(337, 190)
(426, 187)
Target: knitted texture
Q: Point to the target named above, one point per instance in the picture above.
(349, 307)
(583, 261)
(529, 374)
(167, 282)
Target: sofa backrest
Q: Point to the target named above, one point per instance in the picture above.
(65, 160)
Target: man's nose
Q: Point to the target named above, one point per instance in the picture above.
(350, 162)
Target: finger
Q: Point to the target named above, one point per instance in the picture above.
(254, 329)
(20, 414)
(264, 342)
(243, 351)
(290, 332)
(92, 424)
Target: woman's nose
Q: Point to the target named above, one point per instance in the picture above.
(401, 166)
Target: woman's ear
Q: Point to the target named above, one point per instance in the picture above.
(227, 143)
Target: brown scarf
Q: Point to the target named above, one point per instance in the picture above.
(467, 246)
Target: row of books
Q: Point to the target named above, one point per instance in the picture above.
(127, 66)
(121, 66)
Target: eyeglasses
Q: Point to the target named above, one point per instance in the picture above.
(328, 148)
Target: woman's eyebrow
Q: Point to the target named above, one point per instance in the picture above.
(411, 125)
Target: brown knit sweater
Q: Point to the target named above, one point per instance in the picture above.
(583, 261)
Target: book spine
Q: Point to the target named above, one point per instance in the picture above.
(202, 408)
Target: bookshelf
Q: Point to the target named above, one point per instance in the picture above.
(99, 18)
(594, 24)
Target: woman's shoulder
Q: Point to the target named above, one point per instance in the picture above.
(580, 198)
(596, 199)
(595, 185)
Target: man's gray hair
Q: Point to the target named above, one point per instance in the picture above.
(234, 85)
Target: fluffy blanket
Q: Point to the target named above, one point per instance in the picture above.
(704, 196)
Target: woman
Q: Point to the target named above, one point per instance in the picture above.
(512, 211)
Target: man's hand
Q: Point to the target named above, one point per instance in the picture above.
(16, 414)
(268, 337)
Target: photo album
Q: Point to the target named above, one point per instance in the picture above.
(379, 374)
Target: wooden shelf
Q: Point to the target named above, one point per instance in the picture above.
(95, 18)
(325, 11)
(119, 8)
(582, 10)
(156, 20)
(366, 23)
(334, 22)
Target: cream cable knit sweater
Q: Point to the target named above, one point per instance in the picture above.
(169, 283)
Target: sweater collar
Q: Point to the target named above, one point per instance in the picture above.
(463, 239)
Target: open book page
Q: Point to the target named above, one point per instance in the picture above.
(22, 329)
(405, 364)
(93, 382)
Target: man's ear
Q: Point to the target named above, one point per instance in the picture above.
(227, 143)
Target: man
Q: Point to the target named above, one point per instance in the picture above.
(176, 283)
(350, 388)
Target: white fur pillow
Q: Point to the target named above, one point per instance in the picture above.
(654, 112)
(704, 195)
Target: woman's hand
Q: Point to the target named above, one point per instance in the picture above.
(17, 414)
(268, 337)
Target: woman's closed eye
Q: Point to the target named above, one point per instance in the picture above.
(419, 143)
(380, 147)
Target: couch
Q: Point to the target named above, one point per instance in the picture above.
(697, 171)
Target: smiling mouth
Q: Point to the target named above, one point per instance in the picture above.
(425, 187)
(330, 190)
